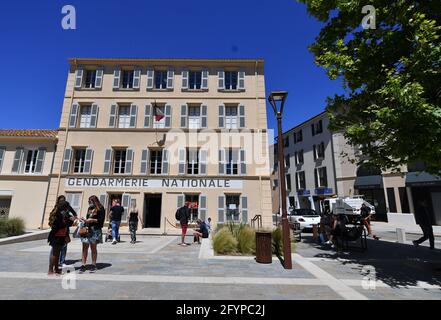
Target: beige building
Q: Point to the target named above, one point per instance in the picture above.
(26, 159)
(160, 132)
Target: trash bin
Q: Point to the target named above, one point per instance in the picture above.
(264, 252)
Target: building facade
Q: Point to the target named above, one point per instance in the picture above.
(157, 133)
(26, 159)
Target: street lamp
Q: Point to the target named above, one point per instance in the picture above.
(274, 98)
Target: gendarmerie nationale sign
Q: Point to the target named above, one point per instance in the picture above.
(143, 183)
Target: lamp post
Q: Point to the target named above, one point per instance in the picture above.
(274, 98)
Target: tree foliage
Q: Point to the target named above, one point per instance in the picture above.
(391, 108)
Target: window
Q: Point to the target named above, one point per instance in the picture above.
(391, 200)
(300, 180)
(194, 117)
(317, 128)
(161, 80)
(155, 161)
(286, 141)
(85, 116)
(288, 182)
(193, 199)
(404, 200)
(90, 79)
(321, 179)
(319, 151)
(231, 117)
(192, 161)
(231, 80)
(74, 199)
(79, 160)
(232, 202)
(195, 80)
(119, 161)
(232, 162)
(299, 157)
(127, 81)
(31, 161)
(160, 110)
(298, 136)
(123, 117)
(287, 161)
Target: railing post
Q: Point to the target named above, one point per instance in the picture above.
(165, 226)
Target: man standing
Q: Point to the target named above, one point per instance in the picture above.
(424, 219)
(116, 213)
(183, 215)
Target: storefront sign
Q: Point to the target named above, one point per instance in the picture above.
(144, 183)
(323, 191)
(303, 192)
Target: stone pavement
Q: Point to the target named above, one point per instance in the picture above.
(158, 268)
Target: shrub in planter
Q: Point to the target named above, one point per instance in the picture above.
(247, 240)
(11, 227)
(224, 242)
(3, 228)
(277, 241)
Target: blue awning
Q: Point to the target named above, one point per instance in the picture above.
(368, 182)
(421, 179)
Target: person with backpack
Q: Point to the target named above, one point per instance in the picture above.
(183, 215)
(366, 214)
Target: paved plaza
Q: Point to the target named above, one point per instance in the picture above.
(158, 268)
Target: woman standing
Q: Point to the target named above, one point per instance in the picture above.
(94, 222)
(133, 221)
(57, 236)
(71, 215)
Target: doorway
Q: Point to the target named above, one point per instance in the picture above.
(152, 210)
(5, 206)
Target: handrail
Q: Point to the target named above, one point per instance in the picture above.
(258, 218)
(165, 223)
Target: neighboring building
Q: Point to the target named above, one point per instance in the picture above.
(317, 161)
(161, 132)
(26, 158)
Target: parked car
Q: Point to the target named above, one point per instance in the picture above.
(306, 217)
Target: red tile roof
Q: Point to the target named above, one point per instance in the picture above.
(34, 133)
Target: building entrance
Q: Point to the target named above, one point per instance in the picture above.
(152, 210)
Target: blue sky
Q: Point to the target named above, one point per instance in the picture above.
(34, 48)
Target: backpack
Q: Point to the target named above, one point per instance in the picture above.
(178, 214)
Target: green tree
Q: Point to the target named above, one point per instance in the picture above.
(391, 107)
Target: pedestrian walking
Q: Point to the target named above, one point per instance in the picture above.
(425, 220)
(133, 221)
(183, 215)
(91, 233)
(366, 214)
(116, 212)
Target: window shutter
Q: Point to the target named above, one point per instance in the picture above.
(2, 156)
(222, 116)
(184, 79)
(168, 116)
(221, 76)
(243, 164)
(323, 149)
(316, 178)
(144, 161)
(99, 78)
(108, 161)
(222, 162)
(204, 116)
(241, 80)
(129, 161)
(182, 155)
(73, 116)
(17, 160)
(94, 116)
(136, 78)
(79, 78)
(170, 78)
(103, 200)
(180, 202)
(325, 177)
(112, 119)
(244, 202)
(205, 74)
(165, 161)
(150, 78)
(184, 110)
(203, 161)
(313, 129)
(297, 181)
(40, 160)
(148, 116)
(133, 114)
(242, 116)
(221, 209)
(314, 152)
(296, 159)
(88, 161)
(66, 161)
(116, 78)
(202, 207)
(126, 198)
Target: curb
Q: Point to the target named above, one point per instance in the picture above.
(38, 235)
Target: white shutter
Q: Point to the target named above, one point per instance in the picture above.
(126, 204)
(170, 78)
(40, 160)
(205, 75)
(133, 114)
(116, 78)
(112, 118)
(221, 76)
(168, 116)
(99, 78)
(204, 111)
(136, 78)
(241, 116)
(180, 202)
(108, 161)
(184, 79)
(129, 161)
(148, 116)
(94, 116)
(150, 78)
(222, 116)
(88, 161)
(165, 162)
(103, 200)
(2, 156)
(79, 78)
(66, 161)
(244, 202)
(241, 80)
(182, 156)
(203, 161)
(184, 110)
(243, 164)
(17, 160)
(73, 115)
(203, 207)
(222, 162)
(221, 209)
(144, 161)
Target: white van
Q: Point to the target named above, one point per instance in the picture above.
(347, 205)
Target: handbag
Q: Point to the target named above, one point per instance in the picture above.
(83, 231)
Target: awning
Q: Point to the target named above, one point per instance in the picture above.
(421, 179)
(368, 182)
